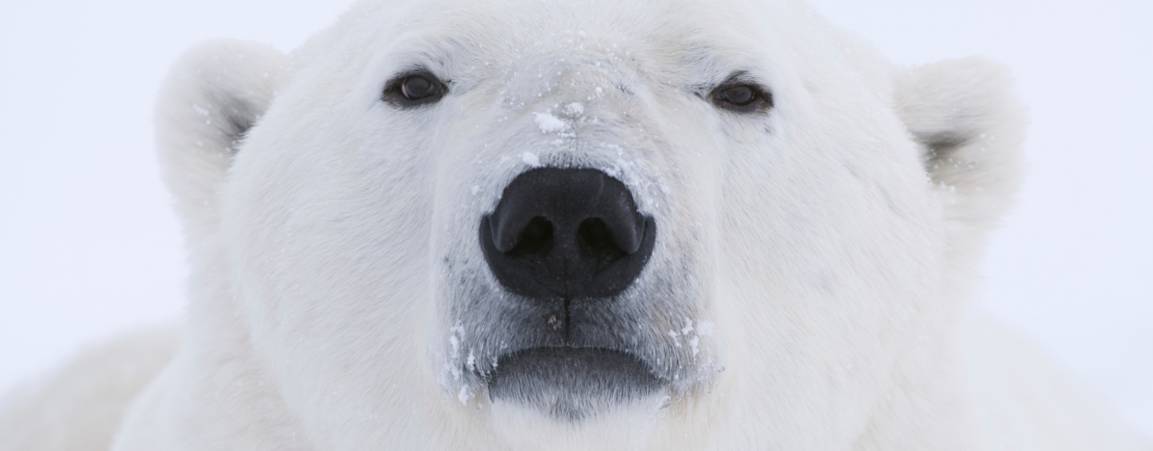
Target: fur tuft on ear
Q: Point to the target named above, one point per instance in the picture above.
(213, 95)
(972, 129)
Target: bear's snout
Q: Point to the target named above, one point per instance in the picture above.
(567, 234)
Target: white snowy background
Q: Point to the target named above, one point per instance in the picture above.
(89, 246)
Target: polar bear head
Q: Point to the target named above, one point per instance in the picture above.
(459, 224)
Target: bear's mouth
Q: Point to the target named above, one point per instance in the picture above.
(571, 383)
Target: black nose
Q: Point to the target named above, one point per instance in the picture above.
(570, 233)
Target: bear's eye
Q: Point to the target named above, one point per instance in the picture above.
(741, 97)
(414, 89)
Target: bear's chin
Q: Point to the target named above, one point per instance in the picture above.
(572, 384)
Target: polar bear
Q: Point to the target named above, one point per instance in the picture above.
(526, 224)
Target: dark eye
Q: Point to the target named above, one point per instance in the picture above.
(414, 89)
(741, 97)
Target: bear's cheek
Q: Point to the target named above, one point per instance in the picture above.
(326, 241)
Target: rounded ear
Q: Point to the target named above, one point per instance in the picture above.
(214, 94)
(971, 129)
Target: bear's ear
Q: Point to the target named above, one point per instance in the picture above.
(971, 129)
(213, 95)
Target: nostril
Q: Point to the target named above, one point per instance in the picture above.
(571, 234)
(535, 239)
(596, 240)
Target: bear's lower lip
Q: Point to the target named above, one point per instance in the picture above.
(571, 383)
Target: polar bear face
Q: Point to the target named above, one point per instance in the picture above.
(463, 223)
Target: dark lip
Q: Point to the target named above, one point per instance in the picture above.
(566, 352)
(570, 383)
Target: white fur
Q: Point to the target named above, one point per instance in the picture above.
(80, 406)
(831, 244)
